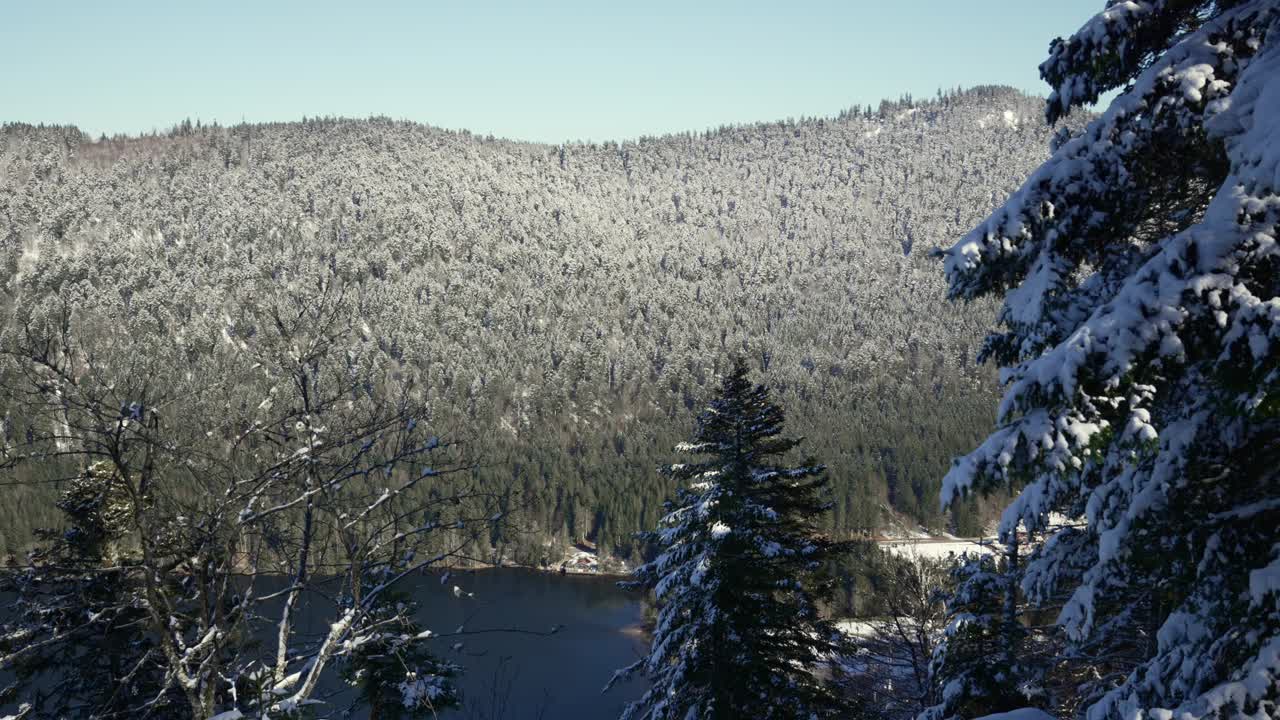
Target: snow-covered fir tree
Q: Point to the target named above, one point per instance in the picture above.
(1141, 283)
(981, 665)
(739, 573)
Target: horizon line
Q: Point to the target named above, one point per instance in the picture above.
(155, 131)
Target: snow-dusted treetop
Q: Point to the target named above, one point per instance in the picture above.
(738, 575)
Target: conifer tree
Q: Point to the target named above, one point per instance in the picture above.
(738, 573)
(981, 666)
(1139, 357)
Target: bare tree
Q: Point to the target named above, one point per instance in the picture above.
(888, 664)
(283, 462)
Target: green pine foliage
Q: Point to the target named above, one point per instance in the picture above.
(739, 573)
(1139, 353)
(395, 675)
(981, 665)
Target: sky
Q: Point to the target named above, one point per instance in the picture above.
(542, 71)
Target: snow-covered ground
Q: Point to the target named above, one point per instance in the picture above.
(934, 548)
(857, 628)
(1020, 714)
(583, 559)
(899, 539)
(580, 560)
(907, 540)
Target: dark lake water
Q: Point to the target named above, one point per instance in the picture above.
(517, 676)
(511, 673)
(514, 669)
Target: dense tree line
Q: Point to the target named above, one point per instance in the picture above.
(560, 308)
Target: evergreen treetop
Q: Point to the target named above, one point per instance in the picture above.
(738, 573)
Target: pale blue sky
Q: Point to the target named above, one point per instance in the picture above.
(528, 70)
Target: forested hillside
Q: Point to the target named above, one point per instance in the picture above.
(563, 310)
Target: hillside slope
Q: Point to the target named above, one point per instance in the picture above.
(564, 308)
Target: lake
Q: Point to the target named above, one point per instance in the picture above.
(517, 675)
(514, 668)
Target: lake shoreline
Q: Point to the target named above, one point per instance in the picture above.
(605, 575)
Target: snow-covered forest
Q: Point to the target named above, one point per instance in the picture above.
(250, 373)
(560, 310)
